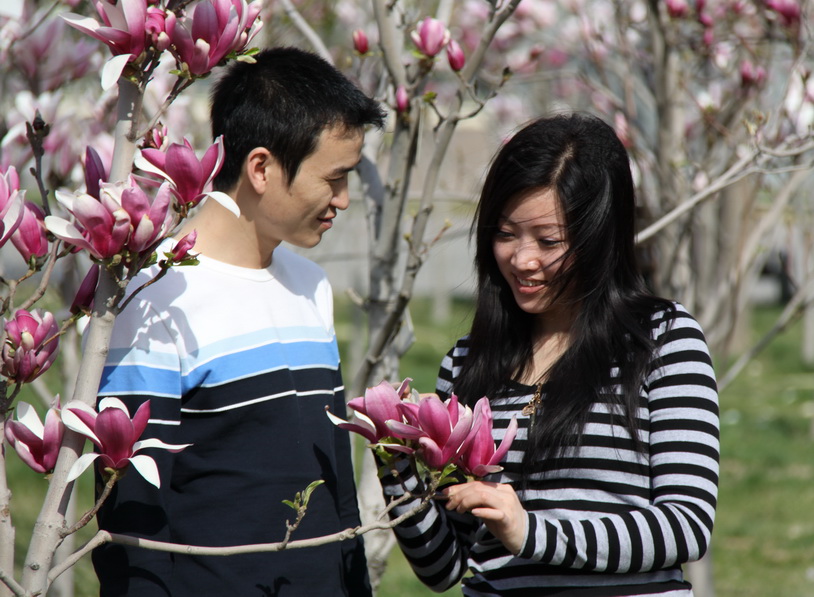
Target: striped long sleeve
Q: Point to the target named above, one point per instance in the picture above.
(605, 517)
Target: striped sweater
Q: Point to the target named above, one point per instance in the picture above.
(605, 520)
(241, 364)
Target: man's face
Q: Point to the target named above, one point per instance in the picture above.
(302, 212)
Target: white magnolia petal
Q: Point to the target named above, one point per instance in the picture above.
(74, 423)
(147, 468)
(226, 201)
(152, 442)
(27, 415)
(145, 165)
(365, 418)
(112, 70)
(63, 229)
(81, 464)
(334, 419)
(113, 402)
(65, 199)
(80, 21)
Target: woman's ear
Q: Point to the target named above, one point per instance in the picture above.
(261, 170)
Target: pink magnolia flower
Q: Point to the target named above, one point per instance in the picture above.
(36, 444)
(789, 11)
(360, 42)
(158, 27)
(379, 405)
(123, 217)
(11, 204)
(30, 237)
(83, 301)
(402, 99)
(95, 172)
(455, 55)
(45, 53)
(180, 166)
(115, 436)
(128, 28)
(439, 429)
(677, 9)
(213, 30)
(181, 251)
(752, 75)
(430, 37)
(478, 455)
(30, 346)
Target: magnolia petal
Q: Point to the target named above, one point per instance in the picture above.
(83, 24)
(112, 401)
(112, 70)
(434, 418)
(147, 165)
(486, 469)
(76, 416)
(26, 456)
(153, 442)
(27, 415)
(505, 443)
(66, 231)
(147, 468)
(395, 448)
(225, 200)
(368, 432)
(80, 465)
(432, 455)
(404, 431)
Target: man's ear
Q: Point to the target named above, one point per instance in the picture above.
(261, 170)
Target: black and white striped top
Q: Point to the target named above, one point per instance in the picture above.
(604, 520)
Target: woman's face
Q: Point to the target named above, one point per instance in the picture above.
(529, 248)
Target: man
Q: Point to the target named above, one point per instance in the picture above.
(238, 355)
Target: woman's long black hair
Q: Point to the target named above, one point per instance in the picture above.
(582, 160)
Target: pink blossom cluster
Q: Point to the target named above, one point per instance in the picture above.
(30, 345)
(199, 38)
(114, 434)
(437, 433)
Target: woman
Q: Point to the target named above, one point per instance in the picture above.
(611, 483)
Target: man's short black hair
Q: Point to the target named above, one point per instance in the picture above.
(283, 102)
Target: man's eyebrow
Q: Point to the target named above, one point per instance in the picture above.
(344, 169)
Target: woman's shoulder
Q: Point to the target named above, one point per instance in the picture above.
(671, 317)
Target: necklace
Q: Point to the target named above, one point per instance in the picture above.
(533, 404)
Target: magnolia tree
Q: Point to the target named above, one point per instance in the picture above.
(122, 186)
(712, 99)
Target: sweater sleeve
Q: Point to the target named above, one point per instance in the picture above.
(143, 364)
(683, 444)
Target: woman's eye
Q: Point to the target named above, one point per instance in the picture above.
(550, 242)
(503, 234)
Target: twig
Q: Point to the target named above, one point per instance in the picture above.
(801, 299)
(88, 516)
(46, 277)
(103, 537)
(12, 584)
(304, 28)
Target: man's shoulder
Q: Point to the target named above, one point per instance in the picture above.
(286, 262)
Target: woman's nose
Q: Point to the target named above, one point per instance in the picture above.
(527, 257)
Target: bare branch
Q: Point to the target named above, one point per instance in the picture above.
(304, 28)
(795, 307)
(103, 537)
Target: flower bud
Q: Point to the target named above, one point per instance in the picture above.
(360, 43)
(402, 100)
(430, 37)
(455, 55)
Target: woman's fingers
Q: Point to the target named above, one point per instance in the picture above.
(497, 505)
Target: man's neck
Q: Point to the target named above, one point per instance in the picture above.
(226, 238)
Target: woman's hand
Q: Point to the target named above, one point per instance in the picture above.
(497, 505)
